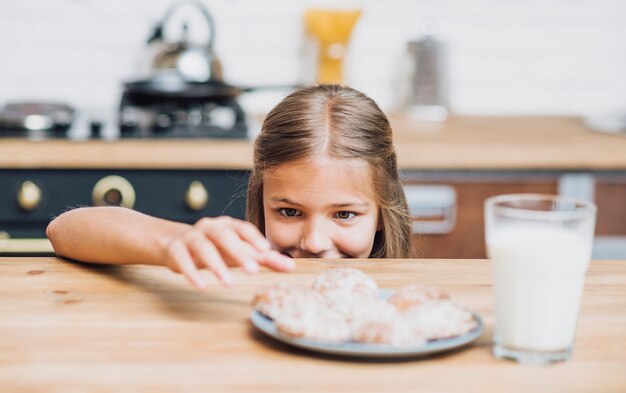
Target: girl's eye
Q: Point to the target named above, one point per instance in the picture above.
(289, 212)
(344, 215)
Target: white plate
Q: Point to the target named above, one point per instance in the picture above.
(354, 349)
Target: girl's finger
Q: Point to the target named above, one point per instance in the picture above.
(206, 255)
(233, 249)
(184, 262)
(252, 235)
(269, 258)
(277, 261)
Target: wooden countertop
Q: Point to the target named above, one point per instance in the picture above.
(460, 143)
(74, 327)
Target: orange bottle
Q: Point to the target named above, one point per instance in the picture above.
(332, 29)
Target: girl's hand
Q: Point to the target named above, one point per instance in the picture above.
(217, 244)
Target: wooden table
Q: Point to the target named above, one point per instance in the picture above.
(68, 327)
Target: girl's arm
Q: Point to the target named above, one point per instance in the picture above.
(114, 235)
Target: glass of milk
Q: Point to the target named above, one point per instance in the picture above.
(540, 247)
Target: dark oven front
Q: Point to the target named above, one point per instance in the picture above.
(30, 198)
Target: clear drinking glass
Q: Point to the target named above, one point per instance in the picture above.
(540, 247)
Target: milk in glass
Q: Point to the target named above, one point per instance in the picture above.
(538, 274)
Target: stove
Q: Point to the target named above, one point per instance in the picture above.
(157, 114)
(220, 119)
(31, 197)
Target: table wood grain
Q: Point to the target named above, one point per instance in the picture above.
(70, 327)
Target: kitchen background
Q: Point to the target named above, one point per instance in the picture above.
(504, 65)
(504, 56)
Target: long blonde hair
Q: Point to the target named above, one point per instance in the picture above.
(344, 124)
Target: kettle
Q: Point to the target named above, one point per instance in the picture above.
(193, 62)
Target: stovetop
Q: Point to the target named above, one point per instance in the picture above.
(86, 127)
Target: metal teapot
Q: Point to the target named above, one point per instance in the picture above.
(192, 62)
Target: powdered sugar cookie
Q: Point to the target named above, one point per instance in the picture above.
(343, 305)
(438, 319)
(413, 295)
(379, 322)
(317, 323)
(394, 332)
(346, 284)
(280, 298)
(366, 309)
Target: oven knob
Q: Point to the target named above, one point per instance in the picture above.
(196, 196)
(113, 191)
(28, 196)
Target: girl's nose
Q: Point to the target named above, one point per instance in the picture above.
(315, 239)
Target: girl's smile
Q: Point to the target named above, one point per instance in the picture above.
(320, 209)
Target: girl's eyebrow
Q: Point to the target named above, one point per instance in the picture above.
(359, 204)
(335, 205)
(285, 200)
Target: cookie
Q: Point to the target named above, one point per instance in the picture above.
(317, 323)
(343, 305)
(379, 322)
(412, 295)
(346, 284)
(394, 332)
(367, 309)
(280, 298)
(437, 319)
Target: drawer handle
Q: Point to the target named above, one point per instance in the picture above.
(113, 191)
(433, 208)
(28, 196)
(197, 196)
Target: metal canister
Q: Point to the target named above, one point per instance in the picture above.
(427, 94)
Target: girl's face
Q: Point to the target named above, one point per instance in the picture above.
(321, 209)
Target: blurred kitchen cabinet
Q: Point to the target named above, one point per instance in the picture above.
(439, 234)
(610, 196)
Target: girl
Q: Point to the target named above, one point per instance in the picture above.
(324, 184)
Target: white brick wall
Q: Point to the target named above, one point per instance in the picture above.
(506, 56)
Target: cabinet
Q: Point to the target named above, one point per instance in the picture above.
(465, 239)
